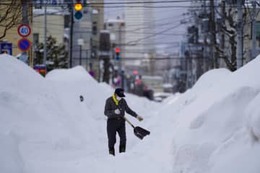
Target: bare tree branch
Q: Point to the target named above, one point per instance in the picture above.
(10, 15)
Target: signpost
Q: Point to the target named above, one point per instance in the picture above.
(6, 47)
(24, 30)
(24, 44)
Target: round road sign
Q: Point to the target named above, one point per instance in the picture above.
(24, 30)
(24, 44)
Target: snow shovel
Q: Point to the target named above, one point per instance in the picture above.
(138, 131)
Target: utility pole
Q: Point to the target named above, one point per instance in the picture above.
(213, 34)
(25, 20)
(104, 53)
(120, 59)
(45, 36)
(205, 46)
(223, 23)
(253, 53)
(71, 33)
(239, 51)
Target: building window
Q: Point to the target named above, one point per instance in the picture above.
(35, 38)
(66, 21)
(94, 30)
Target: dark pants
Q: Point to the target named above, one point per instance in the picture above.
(113, 126)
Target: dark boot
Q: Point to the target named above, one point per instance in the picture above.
(121, 148)
(112, 151)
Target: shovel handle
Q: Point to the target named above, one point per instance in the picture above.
(129, 122)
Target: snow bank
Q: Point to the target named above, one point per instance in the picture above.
(10, 160)
(45, 127)
(253, 111)
(210, 79)
(210, 133)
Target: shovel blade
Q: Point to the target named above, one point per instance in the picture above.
(141, 132)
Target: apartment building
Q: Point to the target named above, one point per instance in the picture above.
(139, 39)
(54, 24)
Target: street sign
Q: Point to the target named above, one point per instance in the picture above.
(6, 47)
(54, 2)
(24, 30)
(24, 44)
(104, 53)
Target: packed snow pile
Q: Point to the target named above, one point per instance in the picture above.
(46, 127)
(215, 125)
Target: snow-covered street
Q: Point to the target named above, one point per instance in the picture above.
(45, 128)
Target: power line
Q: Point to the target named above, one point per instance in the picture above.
(145, 2)
(158, 59)
(119, 4)
(135, 41)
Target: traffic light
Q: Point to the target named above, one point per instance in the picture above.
(117, 51)
(78, 8)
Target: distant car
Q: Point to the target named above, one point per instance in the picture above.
(159, 97)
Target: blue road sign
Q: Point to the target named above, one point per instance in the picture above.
(24, 44)
(54, 2)
(6, 47)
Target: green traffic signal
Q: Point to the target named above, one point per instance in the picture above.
(78, 15)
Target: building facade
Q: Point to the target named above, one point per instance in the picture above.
(97, 19)
(116, 28)
(54, 24)
(12, 14)
(139, 33)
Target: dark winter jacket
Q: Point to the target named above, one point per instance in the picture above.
(111, 106)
